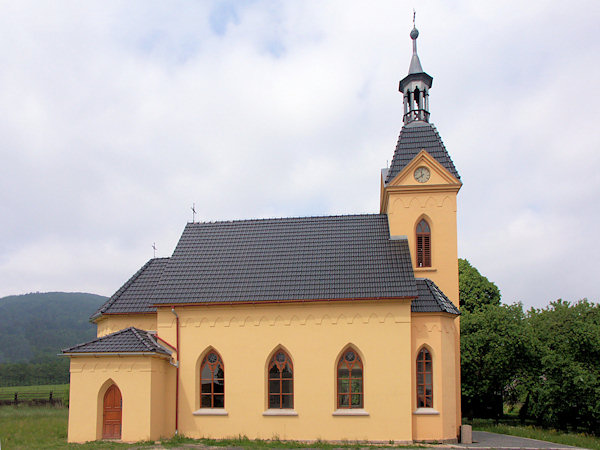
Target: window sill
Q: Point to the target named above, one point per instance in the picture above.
(424, 269)
(426, 412)
(350, 412)
(210, 412)
(280, 412)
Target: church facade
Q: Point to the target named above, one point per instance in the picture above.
(308, 328)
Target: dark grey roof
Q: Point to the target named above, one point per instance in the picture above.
(414, 137)
(306, 258)
(129, 340)
(134, 295)
(432, 299)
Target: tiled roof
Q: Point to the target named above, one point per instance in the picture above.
(129, 340)
(414, 137)
(432, 299)
(306, 258)
(134, 295)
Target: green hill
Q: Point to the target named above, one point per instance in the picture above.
(35, 327)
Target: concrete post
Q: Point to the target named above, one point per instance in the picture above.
(466, 434)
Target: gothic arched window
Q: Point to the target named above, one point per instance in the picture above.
(281, 381)
(424, 379)
(423, 244)
(350, 380)
(212, 381)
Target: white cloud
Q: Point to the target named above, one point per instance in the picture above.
(115, 117)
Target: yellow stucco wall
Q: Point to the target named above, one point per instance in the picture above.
(147, 389)
(114, 322)
(438, 333)
(406, 202)
(314, 335)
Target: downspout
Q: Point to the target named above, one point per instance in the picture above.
(177, 373)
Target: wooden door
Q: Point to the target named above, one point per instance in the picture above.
(111, 420)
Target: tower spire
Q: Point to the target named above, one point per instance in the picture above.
(415, 64)
(415, 86)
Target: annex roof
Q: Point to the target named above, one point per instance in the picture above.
(128, 340)
(304, 258)
(135, 294)
(432, 299)
(414, 137)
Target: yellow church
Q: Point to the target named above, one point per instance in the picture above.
(304, 328)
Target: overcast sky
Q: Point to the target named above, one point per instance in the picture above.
(115, 117)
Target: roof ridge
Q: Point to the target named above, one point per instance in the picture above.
(439, 297)
(142, 340)
(444, 147)
(154, 341)
(265, 219)
(98, 338)
(143, 343)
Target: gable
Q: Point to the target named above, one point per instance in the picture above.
(438, 175)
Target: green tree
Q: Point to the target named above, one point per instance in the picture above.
(495, 347)
(475, 290)
(564, 377)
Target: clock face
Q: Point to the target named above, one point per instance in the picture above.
(422, 174)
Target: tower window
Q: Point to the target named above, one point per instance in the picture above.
(424, 379)
(423, 244)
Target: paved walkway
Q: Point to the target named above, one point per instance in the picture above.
(484, 439)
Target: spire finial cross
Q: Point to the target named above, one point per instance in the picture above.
(414, 17)
(154, 248)
(193, 213)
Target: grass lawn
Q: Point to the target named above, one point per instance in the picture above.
(32, 427)
(574, 439)
(27, 427)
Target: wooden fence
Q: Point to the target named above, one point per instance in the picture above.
(32, 398)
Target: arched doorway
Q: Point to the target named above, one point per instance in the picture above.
(112, 409)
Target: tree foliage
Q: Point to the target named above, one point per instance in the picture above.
(475, 290)
(494, 352)
(547, 358)
(35, 373)
(564, 380)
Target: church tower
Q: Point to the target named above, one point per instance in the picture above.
(419, 189)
